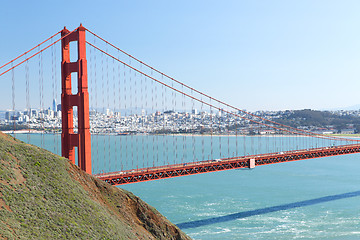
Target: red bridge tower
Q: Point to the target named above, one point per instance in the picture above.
(69, 139)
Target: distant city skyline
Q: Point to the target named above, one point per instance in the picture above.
(193, 121)
(255, 55)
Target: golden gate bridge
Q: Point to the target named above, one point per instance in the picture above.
(96, 76)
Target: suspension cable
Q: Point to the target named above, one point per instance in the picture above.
(221, 102)
(40, 51)
(294, 131)
(30, 50)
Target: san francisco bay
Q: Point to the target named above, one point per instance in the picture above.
(312, 199)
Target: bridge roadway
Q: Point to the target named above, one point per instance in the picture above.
(184, 169)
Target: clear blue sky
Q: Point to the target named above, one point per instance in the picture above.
(252, 54)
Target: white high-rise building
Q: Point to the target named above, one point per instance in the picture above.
(9, 114)
(54, 105)
(26, 118)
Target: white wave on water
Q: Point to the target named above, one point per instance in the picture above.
(209, 204)
(211, 233)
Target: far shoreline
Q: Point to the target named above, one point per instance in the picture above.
(33, 131)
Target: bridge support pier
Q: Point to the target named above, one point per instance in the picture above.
(70, 139)
(252, 163)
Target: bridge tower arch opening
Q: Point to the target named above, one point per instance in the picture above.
(70, 139)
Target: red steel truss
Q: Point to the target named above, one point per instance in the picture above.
(177, 170)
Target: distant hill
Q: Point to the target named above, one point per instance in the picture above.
(43, 196)
(348, 108)
(307, 117)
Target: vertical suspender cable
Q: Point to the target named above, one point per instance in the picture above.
(126, 121)
(53, 93)
(97, 162)
(40, 97)
(220, 116)
(236, 137)
(228, 133)
(289, 138)
(27, 84)
(13, 100)
(96, 127)
(184, 124)
(119, 115)
(164, 139)
(56, 97)
(157, 122)
(153, 120)
(131, 117)
(281, 141)
(193, 126)
(103, 110)
(203, 130)
(165, 127)
(174, 126)
(136, 129)
(142, 118)
(114, 117)
(42, 100)
(259, 139)
(244, 142)
(91, 71)
(211, 131)
(253, 137)
(185, 136)
(146, 119)
(108, 108)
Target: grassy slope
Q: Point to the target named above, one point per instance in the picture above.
(43, 196)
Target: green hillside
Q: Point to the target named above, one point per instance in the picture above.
(43, 196)
(308, 117)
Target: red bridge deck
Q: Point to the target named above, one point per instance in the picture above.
(177, 170)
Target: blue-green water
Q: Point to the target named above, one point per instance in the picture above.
(312, 199)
